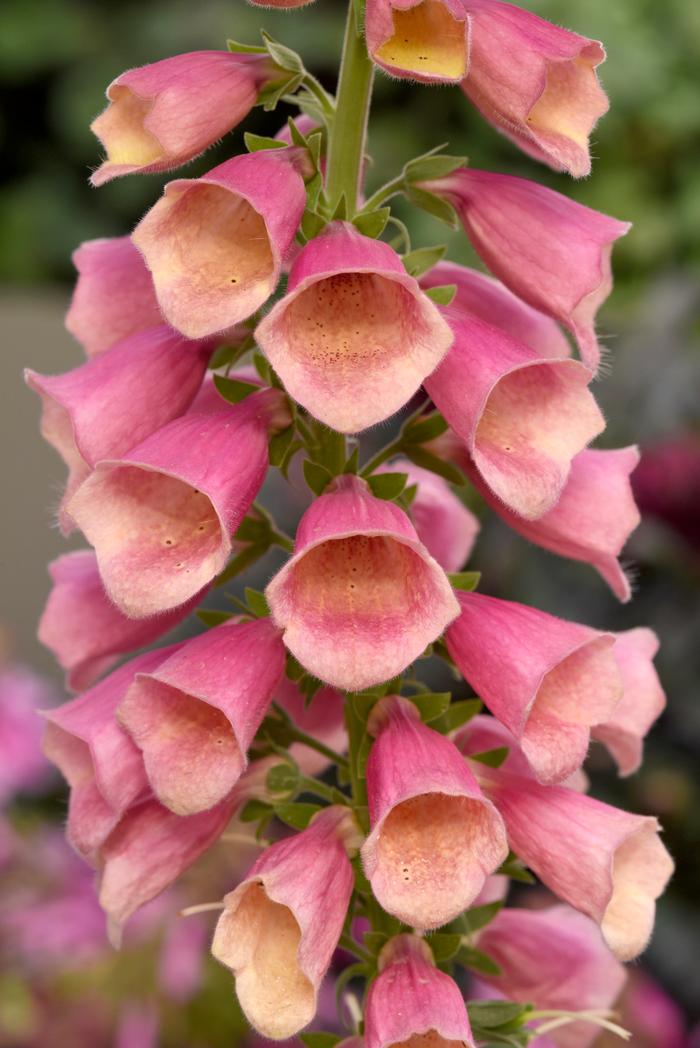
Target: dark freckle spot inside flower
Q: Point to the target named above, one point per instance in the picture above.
(168, 542)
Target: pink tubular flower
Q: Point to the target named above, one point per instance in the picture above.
(535, 82)
(550, 251)
(412, 1003)
(549, 681)
(445, 526)
(642, 702)
(493, 303)
(605, 862)
(196, 714)
(323, 718)
(435, 838)
(354, 337)
(164, 114)
(425, 40)
(361, 598)
(113, 401)
(522, 417)
(84, 630)
(281, 925)
(594, 517)
(215, 244)
(103, 767)
(554, 959)
(161, 517)
(114, 295)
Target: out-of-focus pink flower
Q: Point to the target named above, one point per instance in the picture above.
(182, 957)
(23, 765)
(137, 1026)
(652, 1016)
(667, 485)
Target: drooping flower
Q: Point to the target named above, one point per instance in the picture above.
(548, 680)
(435, 838)
(162, 115)
(522, 418)
(83, 628)
(412, 1003)
(215, 244)
(107, 405)
(361, 598)
(114, 295)
(550, 251)
(281, 925)
(535, 82)
(425, 40)
(196, 714)
(354, 337)
(161, 518)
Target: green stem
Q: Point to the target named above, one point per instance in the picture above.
(349, 128)
(385, 453)
(384, 193)
(320, 747)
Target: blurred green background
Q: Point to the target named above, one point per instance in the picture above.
(56, 58)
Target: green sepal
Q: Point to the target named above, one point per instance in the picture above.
(283, 56)
(297, 814)
(245, 49)
(234, 390)
(457, 714)
(387, 486)
(426, 168)
(211, 617)
(431, 705)
(314, 186)
(272, 93)
(423, 429)
(363, 704)
(442, 294)
(479, 916)
(373, 223)
(434, 205)
(256, 602)
(256, 143)
(254, 810)
(427, 460)
(226, 356)
(514, 869)
(491, 758)
(466, 581)
(279, 446)
(444, 945)
(477, 961)
(422, 259)
(493, 1015)
(312, 223)
(317, 1039)
(340, 213)
(317, 477)
(352, 463)
(283, 778)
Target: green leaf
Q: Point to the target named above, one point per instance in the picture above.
(490, 1015)
(468, 957)
(479, 916)
(210, 617)
(280, 445)
(283, 56)
(457, 714)
(491, 758)
(256, 602)
(262, 366)
(283, 778)
(373, 223)
(317, 477)
(422, 259)
(296, 814)
(467, 581)
(431, 705)
(387, 486)
(234, 390)
(434, 205)
(254, 810)
(442, 294)
(227, 355)
(444, 946)
(427, 460)
(245, 49)
(424, 169)
(316, 1039)
(256, 143)
(314, 185)
(353, 462)
(423, 429)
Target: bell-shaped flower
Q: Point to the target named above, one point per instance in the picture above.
(323, 718)
(492, 302)
(522, 417)
(550, 251)
(445, 526)
(114, 295)
(195, 716)
(161, 518)
(642, 702)
(162, 115)
(548, 680)
(102, 765)
(412, 1004)
(535, 82)
(361, 598)
(556, 960)
(82, 627)
(593, 519)
(215, 244)
(607, 863)
(113, 401)
(424, 40)
(354, 337)
(281, 925)
(435, 837)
